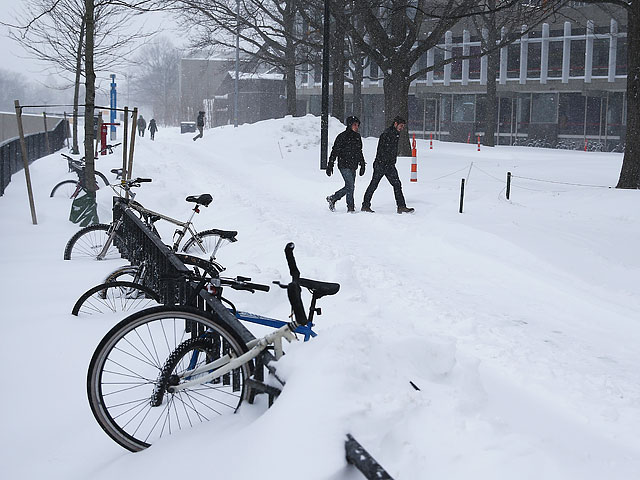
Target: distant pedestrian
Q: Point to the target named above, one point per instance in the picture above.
(347, 148)
(385, 166)
(200, 125)
(153, 128)
(142, 125)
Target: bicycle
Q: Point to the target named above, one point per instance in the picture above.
(71, 188)
(170, 367)
(101, 241)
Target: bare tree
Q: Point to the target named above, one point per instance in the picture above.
(269, 31)
(157, 79)
(53, 31)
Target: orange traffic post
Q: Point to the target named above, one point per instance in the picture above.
(478, 142)
(585, 144)
(431, 141)
(414, 160)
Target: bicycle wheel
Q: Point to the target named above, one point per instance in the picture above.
(209, 240)
(126, 273)
(117, 296)
(64, 189)
(103, 177)
(89, 241)
(140, 357)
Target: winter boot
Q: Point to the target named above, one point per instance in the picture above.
(406, 210)
(351, 210)
(332, 203)
(366, 209)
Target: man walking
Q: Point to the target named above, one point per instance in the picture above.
(385, 166)
(142, 126)
(347, 148)
(200, 125)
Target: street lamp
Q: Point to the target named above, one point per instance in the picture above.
(324, 120)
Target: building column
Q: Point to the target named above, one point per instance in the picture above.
(430, 60)
(503, 60)
(524, 55)
(613, 50)
(484, 59)
(447, 55)
(566, 52)
(588, 52)
(544, 54)
(466, 38)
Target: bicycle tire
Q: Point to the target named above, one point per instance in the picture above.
(209, 238)
(66, 189)
(114, 297)
(103, 177)
(126, 273)
(89, 241)
(131, 365)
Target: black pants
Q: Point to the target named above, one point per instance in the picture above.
(200, 129)
(391, 173)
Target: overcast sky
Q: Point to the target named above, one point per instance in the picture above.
(13, 55)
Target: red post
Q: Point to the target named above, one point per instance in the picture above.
(478, 142)
(431, 141)
(585, 144)
(469, 138)
(414, 160)
(103, 138)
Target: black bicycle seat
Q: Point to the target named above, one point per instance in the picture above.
(318, 288)
(226, 234)
(205, 199)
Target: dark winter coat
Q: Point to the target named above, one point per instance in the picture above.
(152, 126)
(387, 148)
(142, 124)
(347, 148)
(200, 120)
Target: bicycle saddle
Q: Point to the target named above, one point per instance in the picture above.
(318, 288)
(226, 234)
(205, 199)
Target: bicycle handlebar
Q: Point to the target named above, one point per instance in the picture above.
(242, 283)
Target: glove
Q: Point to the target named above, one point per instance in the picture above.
(362, 169)
(329, 170)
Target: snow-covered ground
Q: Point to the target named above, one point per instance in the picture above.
(518, 319)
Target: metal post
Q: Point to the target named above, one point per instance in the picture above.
(324, 120)
(125, 132)
(25, 160)
(46, 134)
(461, 194)
(508, 185)
(112, 117)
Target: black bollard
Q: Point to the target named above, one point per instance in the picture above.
(461, 194)
(508, 184)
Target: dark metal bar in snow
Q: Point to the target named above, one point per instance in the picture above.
(461, 195)
(363, 461)
(508, 184)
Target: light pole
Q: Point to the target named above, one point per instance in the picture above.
(324, 120)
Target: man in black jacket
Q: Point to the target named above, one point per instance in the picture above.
(385, 166)
(347, 148)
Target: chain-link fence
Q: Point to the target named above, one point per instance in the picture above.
(11, 153)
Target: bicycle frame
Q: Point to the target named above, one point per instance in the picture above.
(186, 226)
(227, 363)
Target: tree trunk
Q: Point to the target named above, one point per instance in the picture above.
(290, 59)
(76, 88)
(337, 55)
(630, 173)
(396, 103)
(90, 96)
(358, 74)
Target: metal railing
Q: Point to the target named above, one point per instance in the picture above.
(11, 153)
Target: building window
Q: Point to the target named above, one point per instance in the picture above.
(513, 60)
(614, 113)
(374, 71)
(593, 115)
(600, 57)
(445, 113)
(621, 56)
(576, 63)
(544, 107)
(463, 108)
(523, 113)
(571, 114)
(456, 66)
(555, 60)
(533, 60)
(474, 64)
(438, 58)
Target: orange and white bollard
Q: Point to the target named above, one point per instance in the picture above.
(478, 142)
(414, 161)
(585, 144)
(469, 138)
(431, 141)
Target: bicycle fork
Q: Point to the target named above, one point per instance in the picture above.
(111, 235)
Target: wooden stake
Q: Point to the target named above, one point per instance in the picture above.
(125, 149)
(23, 146)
